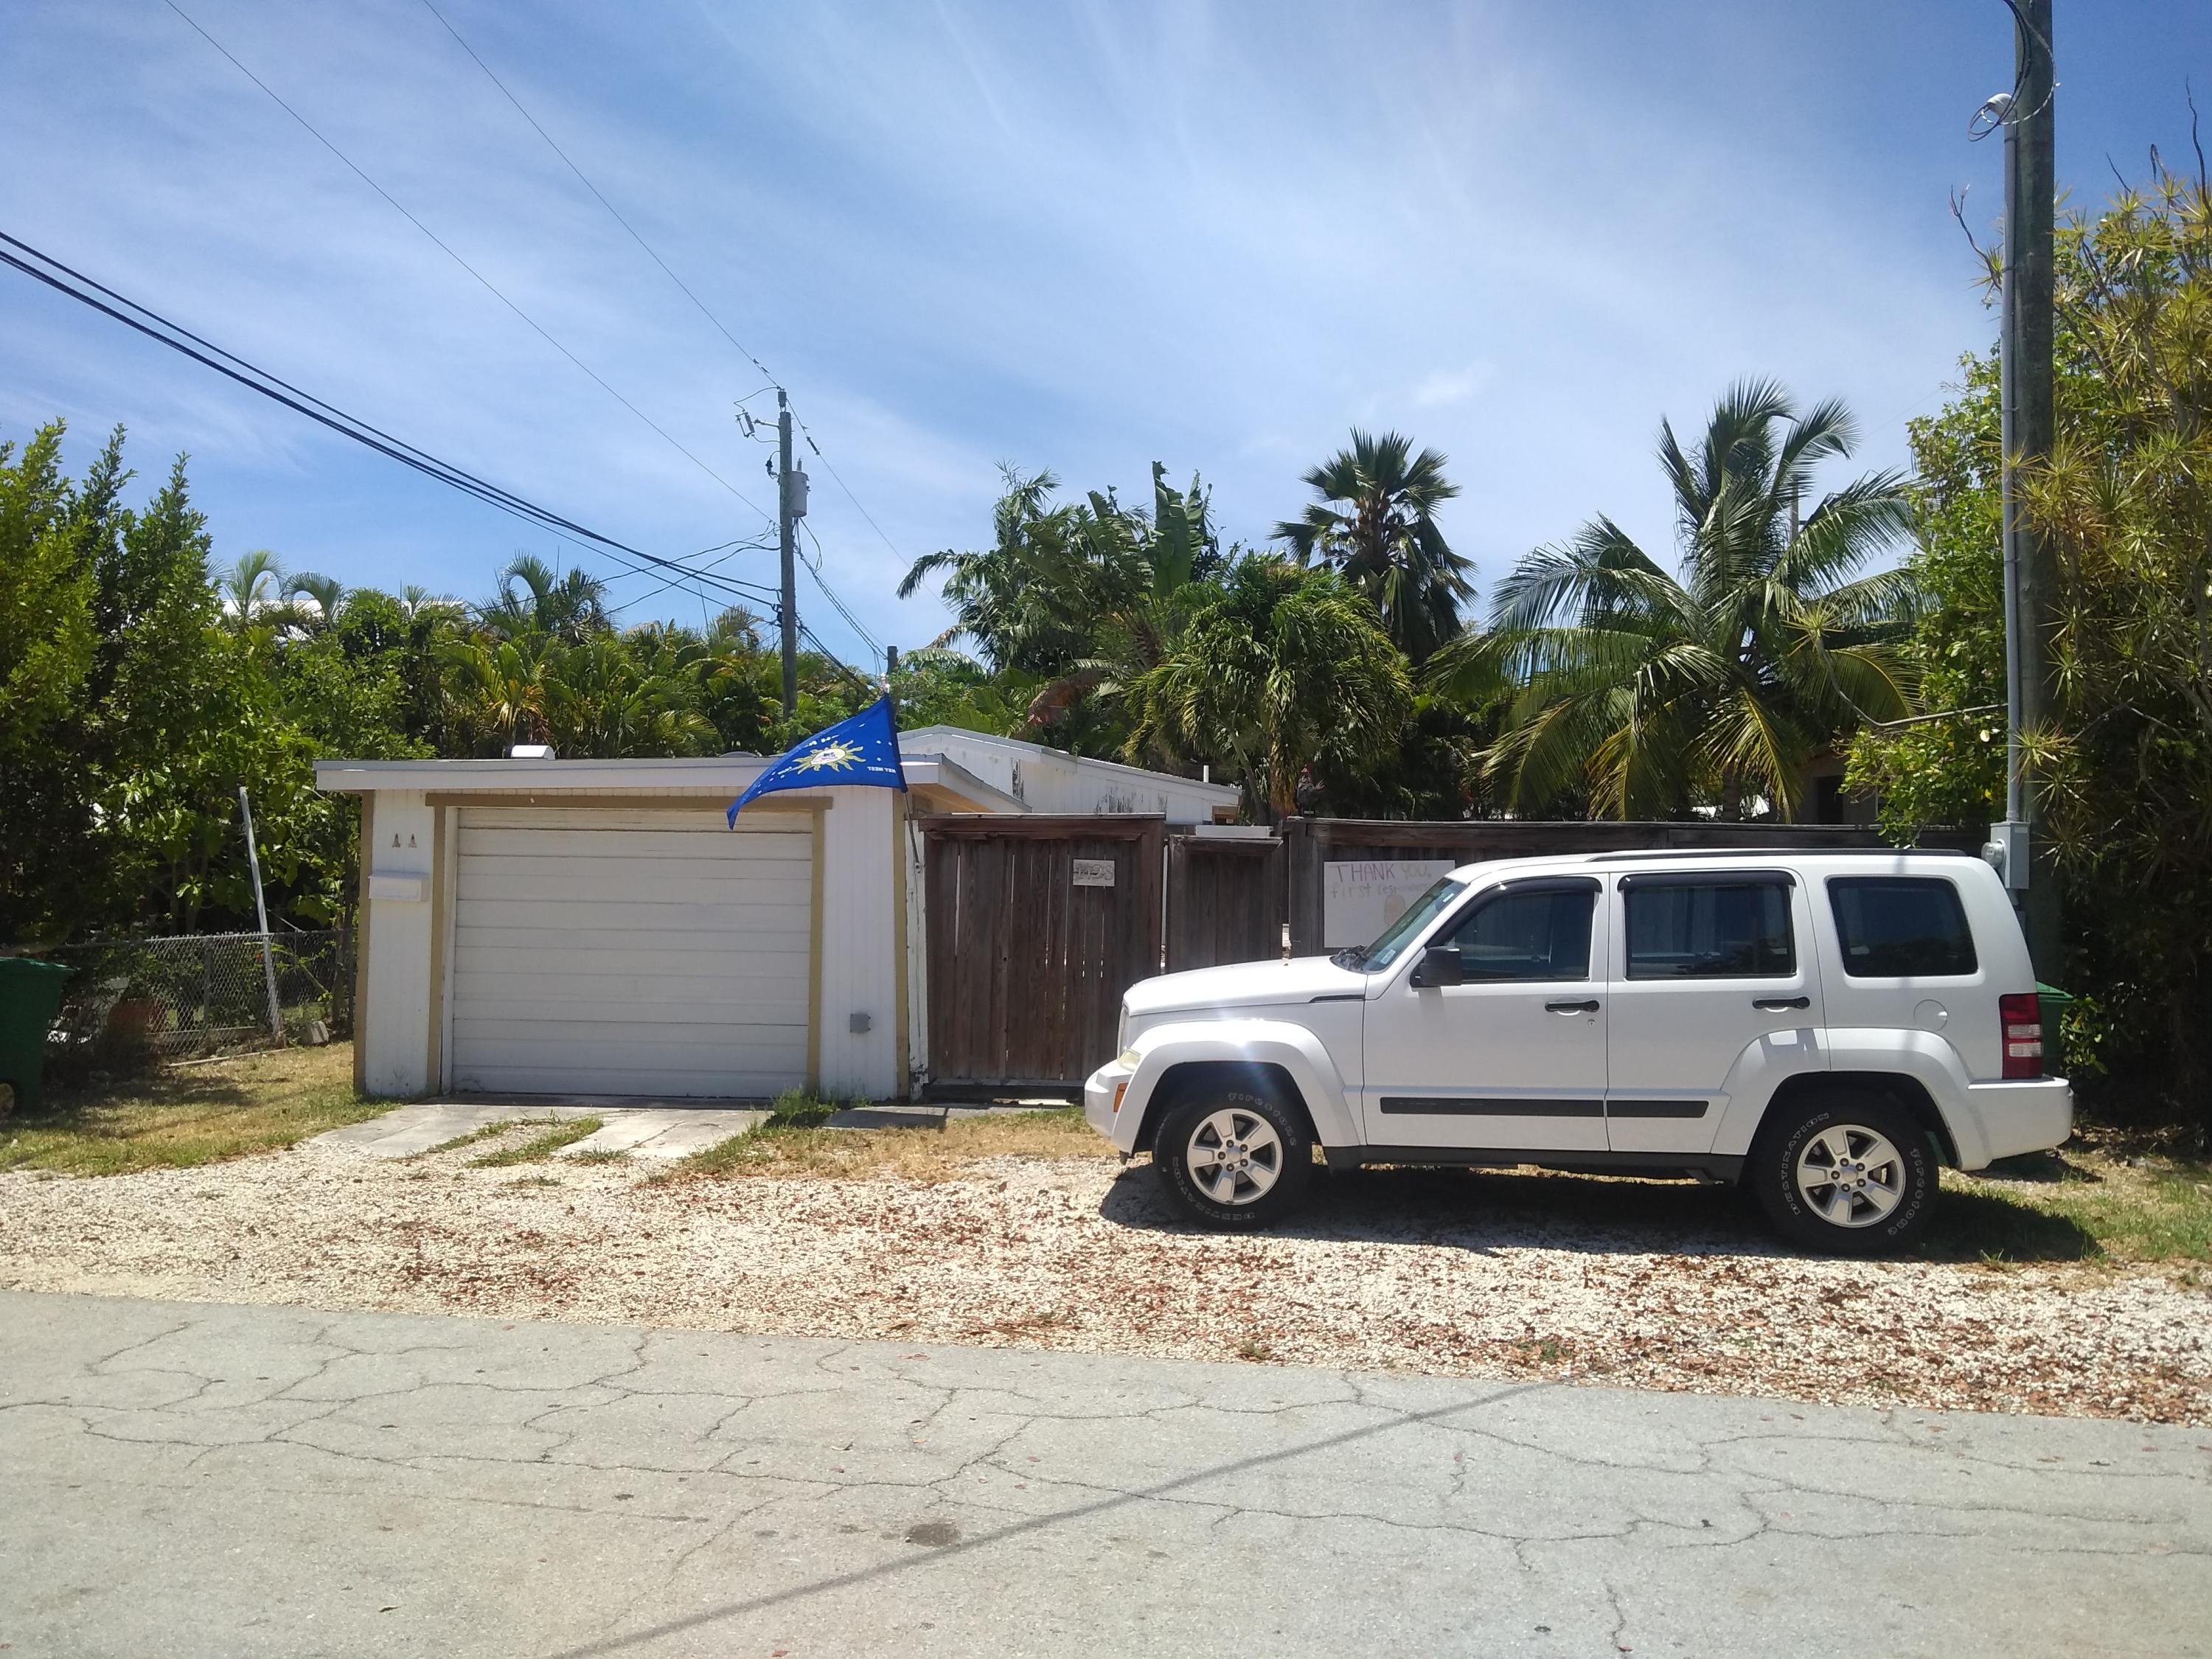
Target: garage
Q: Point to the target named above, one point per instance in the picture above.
(601, 929)
(655, 953)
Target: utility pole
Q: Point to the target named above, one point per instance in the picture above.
(786, 540)
(2028, 426)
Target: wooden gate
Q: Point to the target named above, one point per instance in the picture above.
(1036, 924)
(1226, 898)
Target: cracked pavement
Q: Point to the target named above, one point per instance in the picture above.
(199, 1478)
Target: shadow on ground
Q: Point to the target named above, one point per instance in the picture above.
(1488, 1210)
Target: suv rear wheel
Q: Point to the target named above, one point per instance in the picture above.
(1845, 1172)
(1231, 1157)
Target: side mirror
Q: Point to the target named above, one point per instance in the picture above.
(1440, 965)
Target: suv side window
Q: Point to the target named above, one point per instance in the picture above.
(1900, 927)
(1717, 926)
(1534, 934)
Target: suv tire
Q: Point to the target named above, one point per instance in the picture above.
(1845, 1172)
(1231, 1159)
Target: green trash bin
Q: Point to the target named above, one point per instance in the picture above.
(30, 997)
(2052, 1003)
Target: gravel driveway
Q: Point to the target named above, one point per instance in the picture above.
(1514, 1276)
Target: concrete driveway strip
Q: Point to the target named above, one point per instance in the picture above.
(196, 1479)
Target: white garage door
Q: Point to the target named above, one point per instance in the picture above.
(651, 953)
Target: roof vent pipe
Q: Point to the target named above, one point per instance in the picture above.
(531, 751)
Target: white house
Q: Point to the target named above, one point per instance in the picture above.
(596, 928)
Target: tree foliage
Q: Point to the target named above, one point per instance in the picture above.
(1655, 692)
(2123, 770)
(139, 690)
(1375, 522)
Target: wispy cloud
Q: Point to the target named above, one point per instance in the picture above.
(1442, 387)
(1212, 235)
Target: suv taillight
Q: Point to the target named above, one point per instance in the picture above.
(2021, 1018)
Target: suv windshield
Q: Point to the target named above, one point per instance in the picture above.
(1400, 932)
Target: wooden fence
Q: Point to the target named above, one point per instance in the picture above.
(1224, 900)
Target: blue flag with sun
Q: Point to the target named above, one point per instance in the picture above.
(863, 750)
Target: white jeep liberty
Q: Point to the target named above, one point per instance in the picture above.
(1822, 1028)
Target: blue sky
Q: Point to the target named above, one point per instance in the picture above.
(1081, 237)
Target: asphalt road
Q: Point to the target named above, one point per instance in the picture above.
(192, 1480)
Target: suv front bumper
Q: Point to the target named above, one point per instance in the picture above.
(1102, 1097)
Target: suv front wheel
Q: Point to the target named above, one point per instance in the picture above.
(1845, 1172)
(1231, 1157)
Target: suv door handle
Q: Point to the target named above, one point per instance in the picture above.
(1776, 1005)
(1589, 1007)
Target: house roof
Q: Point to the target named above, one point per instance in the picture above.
(718, 777)
(927, 739)
(938, 775)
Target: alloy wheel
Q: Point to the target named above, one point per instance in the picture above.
(1235, 1155)
(1851, 1175)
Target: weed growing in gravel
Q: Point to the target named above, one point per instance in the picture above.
(543, 1147)
(472, 1138)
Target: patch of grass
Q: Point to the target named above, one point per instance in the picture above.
(538, 1149)
(788, 1147)
(794, 1109)
(189, 1115)
(2091, 1201)
(484, 1132)
(598, 1155)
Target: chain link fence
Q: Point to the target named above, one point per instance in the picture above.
(129, 1002)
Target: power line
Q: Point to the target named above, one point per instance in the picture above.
(594, 189)
(719, 326)
(843, 667)
(488, 284)
(155, 326)
(814, 569)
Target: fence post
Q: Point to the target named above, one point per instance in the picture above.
(261, 914)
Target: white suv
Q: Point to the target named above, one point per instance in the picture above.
(1821, 1027)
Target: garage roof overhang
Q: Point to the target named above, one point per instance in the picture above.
(937, 785)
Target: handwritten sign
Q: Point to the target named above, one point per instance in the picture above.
(1360, 897)
(1094, 873)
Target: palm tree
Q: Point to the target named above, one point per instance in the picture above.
(1031, 599)
(498, 685)
(1279, 668)
(1655, 693)
(1375, 521)
(1175, 552)
(612, 697)
(534, 598)
(418, 602)
(327, 592)
(253, 585)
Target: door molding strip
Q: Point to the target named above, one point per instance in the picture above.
(1491, 1106)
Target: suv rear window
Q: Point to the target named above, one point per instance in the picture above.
(1712, 927)
(1900, 927)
